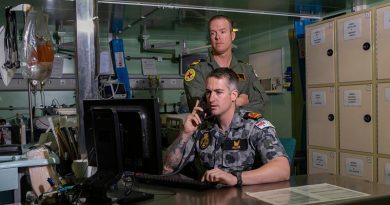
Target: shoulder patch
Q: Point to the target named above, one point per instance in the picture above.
(195, 62)
(190, 74)
(263, 124)
(252, 115)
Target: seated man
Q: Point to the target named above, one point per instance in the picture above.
(227, 144)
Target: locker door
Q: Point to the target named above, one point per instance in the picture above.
(357, 166)
(382, 27)
(384, 118)
(384, 171)
(356, 129)
(354, 47)
(320, 54)
(322, 161)
(321, 117)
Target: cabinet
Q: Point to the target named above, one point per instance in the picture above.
(359, 134)
(321, 117)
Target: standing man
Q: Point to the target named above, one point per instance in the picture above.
(251, 94)
(227, 145)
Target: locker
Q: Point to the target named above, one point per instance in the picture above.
(383, 171)
(382, 34)
(354, 46)
(322, 161)
(356, 126)
(356, 166)
(321, 117)
(383, 118)
(320, 54)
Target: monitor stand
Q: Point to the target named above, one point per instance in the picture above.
(96, 187)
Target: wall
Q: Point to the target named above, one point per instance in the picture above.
(278, 109)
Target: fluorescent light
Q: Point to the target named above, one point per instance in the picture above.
(209, 8)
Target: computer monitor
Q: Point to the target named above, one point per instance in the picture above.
(136, 122)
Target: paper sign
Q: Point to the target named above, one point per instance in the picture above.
(318, 98)
(149, 67)
(354, 167)
(352, 98)
(387, 94)
(352, 29)
(317, 36)
(386, 20)
(320, 160)
(58, 66)
(387, 173)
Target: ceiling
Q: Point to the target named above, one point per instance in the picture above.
(158, 18)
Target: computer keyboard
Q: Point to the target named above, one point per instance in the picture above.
(176, 180)
(134, 196)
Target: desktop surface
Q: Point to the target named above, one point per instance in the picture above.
(379, 193)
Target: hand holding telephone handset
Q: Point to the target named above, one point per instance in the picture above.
(199, 114)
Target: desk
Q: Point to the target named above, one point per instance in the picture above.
(232, 195)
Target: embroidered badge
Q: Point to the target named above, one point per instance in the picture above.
(195, 62)
(252, 115)
(263, 124)
(190, 74)
(236, 144)
(204, 141)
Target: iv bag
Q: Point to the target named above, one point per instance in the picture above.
(38, 50)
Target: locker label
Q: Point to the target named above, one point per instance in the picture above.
(352, 98)
(352, 29)
(318, 98)
(320, 160)
(354, 166)
(317, 36)
(387, 94)
(387, 173)
(386, 20)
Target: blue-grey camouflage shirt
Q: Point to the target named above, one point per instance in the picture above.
(235, 149)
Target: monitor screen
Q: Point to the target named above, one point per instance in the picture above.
(137, 123)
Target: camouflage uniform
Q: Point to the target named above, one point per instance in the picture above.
(235, 149)
(195, 85)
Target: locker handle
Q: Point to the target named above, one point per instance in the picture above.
(331, 117)
(367, 118)
(329, 52)
(366, 46)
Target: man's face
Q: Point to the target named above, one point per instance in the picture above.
(219, 97)
(221, 36)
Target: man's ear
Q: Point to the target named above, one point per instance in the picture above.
(234, 95)
(233, 35)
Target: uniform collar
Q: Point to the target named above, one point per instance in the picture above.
(215, 65)
(237, 121)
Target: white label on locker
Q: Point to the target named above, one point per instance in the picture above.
(386, 20)
(352, 98)
(317, 36)
(387, 94)
(318, 98)
(354, 166)
(352, 29)
(387, 173)
(320, 160)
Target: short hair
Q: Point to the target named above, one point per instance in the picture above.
(221, 17)
(226, 73)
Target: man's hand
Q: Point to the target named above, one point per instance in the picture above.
(242, 100)
(192, 121)
(219, 176)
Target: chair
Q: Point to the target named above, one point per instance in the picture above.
(289, 145)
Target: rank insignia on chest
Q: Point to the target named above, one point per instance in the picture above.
(190, 74)
(252, 115)
(241, 76)
(237, 144)
(204, 142)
